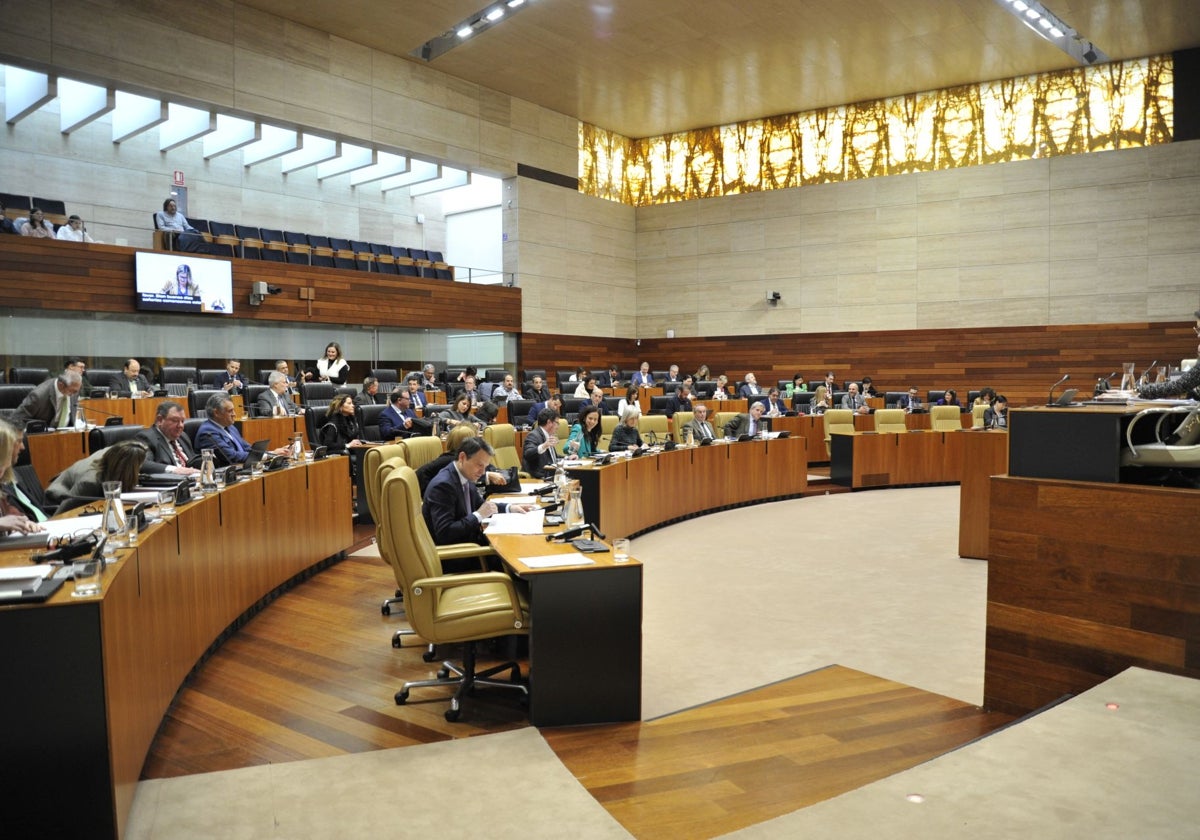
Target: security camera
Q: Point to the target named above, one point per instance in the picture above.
(774, 297)
(274, 290)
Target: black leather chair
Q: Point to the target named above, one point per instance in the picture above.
(495, 375)
(250, 398)
(100, 377)
(175, 379)
(529, 373)
(704, 389)
(104, 436)
(190, 427)
(386, 376)
(801, 400)
(933, 396)
(316, 394)
(11, 397)
(28, 376)
(658, 405)
(368, 415)
(198, 399)
(518, 412)
(208, 377)
(891, 399)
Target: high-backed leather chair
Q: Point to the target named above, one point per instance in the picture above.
(419, 451)
(977, 416)
(658, 424)
(502, 437)
(368, 415)
(28, 376)
(608, 424)
(317, 394)
(198, 399)
(518, 411)
(11, 397)
(838, 421)
(373, 475)
(105, 436)
(679, 423)
(445, 609)
(720, 419)
(387, 377)
(890, 420)
(945, 418)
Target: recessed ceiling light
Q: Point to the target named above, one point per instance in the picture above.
(495, 15)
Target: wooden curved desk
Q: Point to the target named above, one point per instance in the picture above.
(87, 681)
(638, 494)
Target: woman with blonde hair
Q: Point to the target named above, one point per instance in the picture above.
(13, 518)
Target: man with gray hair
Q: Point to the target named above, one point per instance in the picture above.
(275, 401)
(55, 402)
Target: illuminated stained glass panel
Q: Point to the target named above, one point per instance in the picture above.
(1110, 106)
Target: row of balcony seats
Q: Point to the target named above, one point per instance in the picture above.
(247, 242)
(18, 207)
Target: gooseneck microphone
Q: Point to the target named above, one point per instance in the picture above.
(574, 531)
(110, 417)
(1145, 377)
(1050, 398)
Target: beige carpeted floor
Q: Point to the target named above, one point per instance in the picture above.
(735, 600)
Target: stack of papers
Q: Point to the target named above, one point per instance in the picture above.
(17, 580)
(549, 561)
(517, 523)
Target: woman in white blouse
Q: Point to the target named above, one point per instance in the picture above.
(333, 367)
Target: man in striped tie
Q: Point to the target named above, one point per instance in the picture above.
(170, 450)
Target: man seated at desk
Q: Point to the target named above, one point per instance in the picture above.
(399, 420)
(220, 435)
(453, 508)
(775, 406)
(749, 387)
(538, 392)
(747, 423)
(55, 402)
(416, 396)
(700, 428)
(275, 402)
(854, 400)
(681, 400)
(130, 382)
(555, 402)
(506, 390)
(231, 380)
(169, 448)
(539, 451)
(598, 401)
(366, 396)
(910, 402)
(282, 367)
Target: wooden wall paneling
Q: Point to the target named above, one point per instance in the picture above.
(1020, 362)
(1084, 580)
(46, 275)
(984, 454)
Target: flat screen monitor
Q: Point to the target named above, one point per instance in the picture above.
(183, 283)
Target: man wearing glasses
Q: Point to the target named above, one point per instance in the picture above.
(220, 435)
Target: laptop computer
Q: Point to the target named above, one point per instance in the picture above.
(258, 450)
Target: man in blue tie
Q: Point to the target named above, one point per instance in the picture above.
(416, 396)
(399, 420)
(453, 508)
(218, 432)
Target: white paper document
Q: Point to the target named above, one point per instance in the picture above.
(517, 523)
(549, 561)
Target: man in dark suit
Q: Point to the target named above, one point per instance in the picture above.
(218, 432)
(538, 392)
(681, 400)
(910, 401)
(610, 378)
(748, 423)
(700, 427)
(672, 374)
(416, 395)
(275, 402)
(775, 406)
(231, 380)
(55, 402)
(555, 402)
(539, 451)
(598, 401)
(169, 448)
(453, 509)
(749, 387)
(130, 382)
(367, 395)
(399, 419)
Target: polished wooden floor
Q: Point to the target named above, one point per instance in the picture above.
(313, 675)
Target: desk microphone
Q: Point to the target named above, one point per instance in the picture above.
(119, 420)
(574, 531)
(1050, 398)
(1104, 383)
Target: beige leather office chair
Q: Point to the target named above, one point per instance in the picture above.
(419, 451)
(373, 460)
(720, 419)
(1176, 439)
(446, 609)
(838, 421)
(977, 416)
(890, 420)
(679, 422)
(945, 418)
(502, 437)
(608, 424)
(656, 424)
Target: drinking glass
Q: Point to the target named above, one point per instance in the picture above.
(166, 504)
(620, 550)
(87, 577)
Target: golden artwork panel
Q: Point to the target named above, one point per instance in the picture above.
(1089, 109)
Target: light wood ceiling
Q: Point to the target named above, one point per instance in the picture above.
(649, 67)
